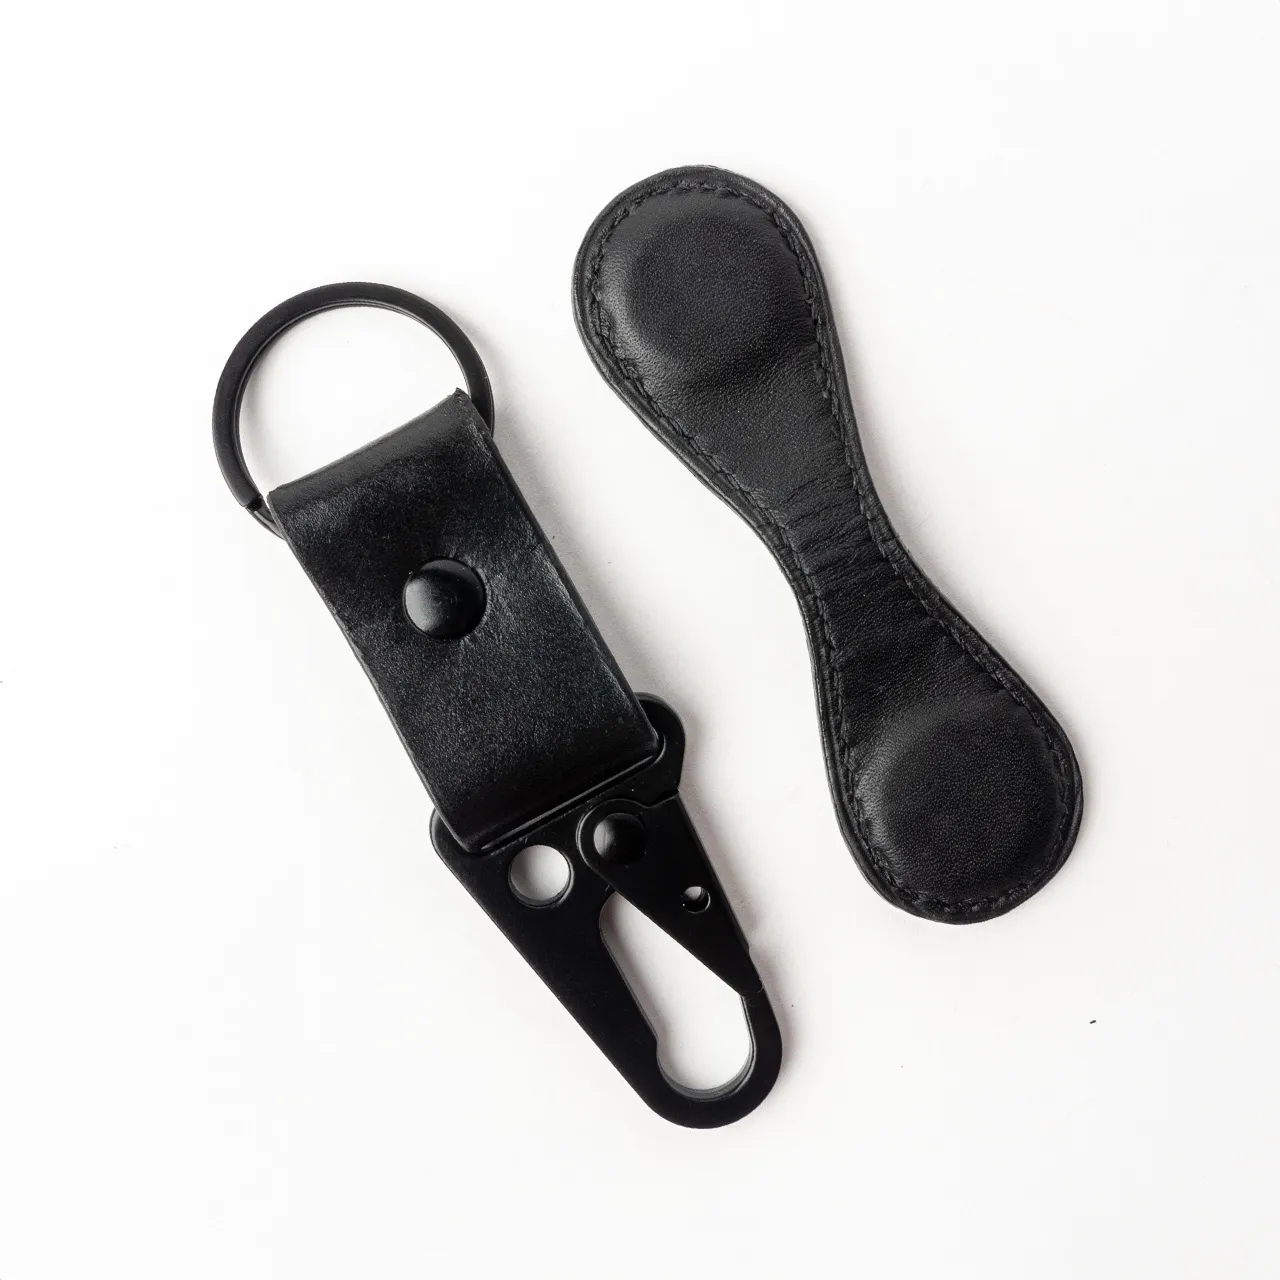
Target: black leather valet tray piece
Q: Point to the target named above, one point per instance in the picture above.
(699, 297)
(507, 700)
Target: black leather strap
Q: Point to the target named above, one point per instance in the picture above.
(699, 297)
(524, 712)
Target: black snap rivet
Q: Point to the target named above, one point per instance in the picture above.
(444, 599)
(620, 837)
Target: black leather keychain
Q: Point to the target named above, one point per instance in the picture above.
(512, 709)
(699, 297)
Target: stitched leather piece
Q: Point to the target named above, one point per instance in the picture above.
(699, 297)
(525, 712)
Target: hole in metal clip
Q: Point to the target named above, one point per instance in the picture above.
(539, 875)
(702, 1034)
(695, 898)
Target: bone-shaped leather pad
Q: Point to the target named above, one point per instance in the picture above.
(699, 297)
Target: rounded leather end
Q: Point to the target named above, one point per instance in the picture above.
(699, 289)
(962, 811)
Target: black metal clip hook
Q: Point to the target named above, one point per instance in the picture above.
(633, 838)
(508, 702)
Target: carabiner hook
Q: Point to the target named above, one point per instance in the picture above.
(563, 942)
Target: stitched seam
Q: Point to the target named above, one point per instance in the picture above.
(840, 430)
(843, 434)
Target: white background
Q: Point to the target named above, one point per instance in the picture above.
(249, 1025)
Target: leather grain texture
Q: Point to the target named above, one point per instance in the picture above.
(520, 715)
(700, 299)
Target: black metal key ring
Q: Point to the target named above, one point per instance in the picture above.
(250, 349)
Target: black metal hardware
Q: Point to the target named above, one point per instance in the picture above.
(562, 940)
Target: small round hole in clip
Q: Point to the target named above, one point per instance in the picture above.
(695, 898)
(539, 876)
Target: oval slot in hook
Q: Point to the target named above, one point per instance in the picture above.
(703, 1040)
